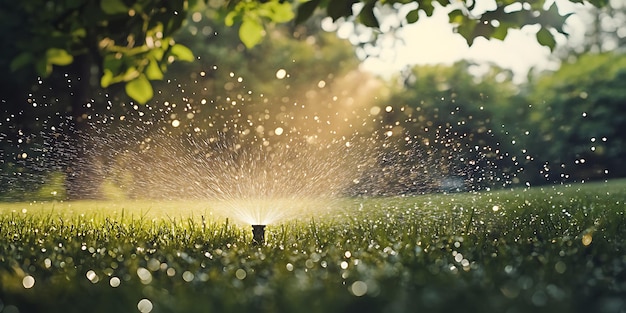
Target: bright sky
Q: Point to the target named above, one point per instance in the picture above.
(432, 41)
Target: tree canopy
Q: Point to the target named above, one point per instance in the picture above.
(578, 119)
(130, 41)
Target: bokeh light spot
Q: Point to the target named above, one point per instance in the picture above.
(281, 73)
(28, 282)
(359, 288)
(144, 306)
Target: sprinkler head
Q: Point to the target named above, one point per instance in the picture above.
(258, 234)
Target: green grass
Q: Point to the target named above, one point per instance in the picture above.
(550, 249)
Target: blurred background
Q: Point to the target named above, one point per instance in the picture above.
(413, 109)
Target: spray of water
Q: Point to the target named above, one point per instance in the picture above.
(254, 158)
(252, 183)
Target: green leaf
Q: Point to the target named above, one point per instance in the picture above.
(413, 16)
(340, 8)
(157, 53)
(130, 74)
(251, 32)
(112, 63)
(305, 10)
(195, 5)
(140, 89)
(279, 12)
(79, 33)
(20, 61)
(456, 17)
(58, 56)
(43, 68)
(182, 53)
(367, 16)
(501, 31)
(106, 79)
(112, 7)
(427, 6)
(229, 20)
(598, 3)
(466, 29)
(153, 71)
(552, 18)
(545, 38)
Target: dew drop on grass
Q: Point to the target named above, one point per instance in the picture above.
(144, 306)
(188, 276)
(114, 282)
(359, 288)
(289, 267)
(281, 73)
(28, 282)
(170, 272)
(92, 276)
(144, 275)
(458, 257)
(240, 274)
(154, 265)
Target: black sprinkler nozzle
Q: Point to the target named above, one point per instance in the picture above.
(258, 234)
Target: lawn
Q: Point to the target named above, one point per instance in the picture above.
(543, 249)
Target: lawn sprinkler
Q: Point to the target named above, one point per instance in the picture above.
(258, 234)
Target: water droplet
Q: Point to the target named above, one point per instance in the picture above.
(114, 282)
(359, 288)
(28, 282)
(170, 272)
(241, 274)
(154, 265)
(144, 275)
(281, 73)
(188, 276)
(344, 265)
(144, 306)
(92, 276)
(458, 257)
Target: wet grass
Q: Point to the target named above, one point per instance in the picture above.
(551, 249)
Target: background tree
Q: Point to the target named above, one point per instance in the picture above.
(577, 118)
(61, 55)
(235, 95)
(605, 31)
(131, 41)
(442, 125)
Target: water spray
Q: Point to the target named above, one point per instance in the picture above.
(258, 234)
